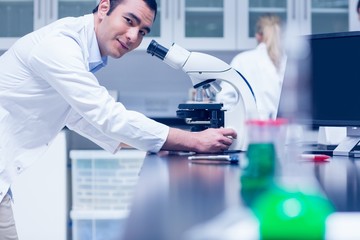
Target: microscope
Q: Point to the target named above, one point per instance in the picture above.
(206, 73)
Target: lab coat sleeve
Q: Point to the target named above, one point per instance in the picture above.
(78, 124)
(65, 69)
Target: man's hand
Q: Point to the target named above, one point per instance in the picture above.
(209, 140)
(214, 139)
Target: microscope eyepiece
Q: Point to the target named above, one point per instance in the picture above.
(156, 49)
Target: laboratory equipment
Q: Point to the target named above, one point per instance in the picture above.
(264, 154)
(334, 89)
(232, 158)
(206, 72)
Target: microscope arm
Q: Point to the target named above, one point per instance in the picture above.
(205, 70)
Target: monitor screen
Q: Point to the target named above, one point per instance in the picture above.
(331, 88)
(334, 79)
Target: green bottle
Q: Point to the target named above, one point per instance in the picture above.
(259, 173)
(265, 138)
(285, 214)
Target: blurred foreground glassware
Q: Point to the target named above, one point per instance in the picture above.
(265, 149)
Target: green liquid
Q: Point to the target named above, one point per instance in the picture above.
(291, 215)
(282, 214)
(261, 158)
(258, 175)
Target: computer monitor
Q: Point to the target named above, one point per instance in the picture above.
(334, 85)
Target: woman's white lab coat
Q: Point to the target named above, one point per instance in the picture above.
(256, 66)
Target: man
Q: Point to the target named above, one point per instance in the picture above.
(358, 9)
(47, 83)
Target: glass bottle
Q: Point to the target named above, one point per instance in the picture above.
(294, 207)
(263, 154)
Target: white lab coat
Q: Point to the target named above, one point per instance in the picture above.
(266, 82)
(46, 84)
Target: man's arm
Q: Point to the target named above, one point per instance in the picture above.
(209, 140)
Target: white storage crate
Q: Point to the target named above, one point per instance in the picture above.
(104, 181)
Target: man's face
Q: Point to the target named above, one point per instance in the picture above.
(124, 29)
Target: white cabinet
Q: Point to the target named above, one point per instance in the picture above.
(323, 16)
(19, 17)
(307, 16)
(200, 25)
(193, 24)
(230, 24)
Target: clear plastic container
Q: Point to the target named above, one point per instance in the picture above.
(104, 181)
(98, 225)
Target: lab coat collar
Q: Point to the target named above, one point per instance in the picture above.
(95, 60)
(262, 46)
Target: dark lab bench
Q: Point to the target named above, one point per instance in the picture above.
(174, 194)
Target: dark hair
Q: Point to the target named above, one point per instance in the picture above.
(358, 7)
(114, 3)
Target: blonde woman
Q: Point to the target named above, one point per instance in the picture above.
(263, 67)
